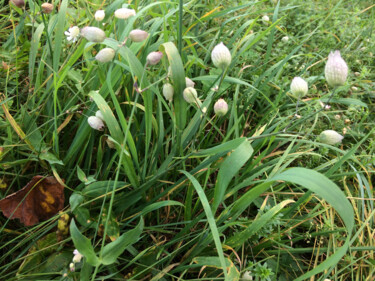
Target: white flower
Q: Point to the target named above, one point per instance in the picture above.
(221, 107)
(72, 34)
(285, 39)
(330, 137)
(105, 55)
(247, 276)
(153, 58)
(336, 70)
(138, 35)
(265, 19)
(190, 95)
(221, 56)
(99, 15)
(168, 91)
(96, 123)
(124, 13)
(77, 256)
(189, 82)
(299, 87)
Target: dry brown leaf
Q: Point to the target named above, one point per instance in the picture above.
(39, 200)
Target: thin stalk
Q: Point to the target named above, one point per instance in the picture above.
(180, 13)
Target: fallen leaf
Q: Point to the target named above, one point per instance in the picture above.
(39, 200)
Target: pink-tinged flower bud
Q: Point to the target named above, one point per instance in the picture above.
(138, 35)
(124, 13)
(99, 114)
(168, 91)
(93, 34)
(105, 55)
(299, 87)
(190, 95)
(336, 70)
(221, 107)
(99, 15)
(71, 267)
(18, 3)
(330, 137)
(189, 82)
(221, 56)
(77, 256)
(153, 58)
(47, 8)
(96, 123)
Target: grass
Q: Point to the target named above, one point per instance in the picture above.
(170, 191)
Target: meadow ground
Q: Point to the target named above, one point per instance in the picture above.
(143, 179)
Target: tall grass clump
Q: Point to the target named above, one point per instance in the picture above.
(196, 140)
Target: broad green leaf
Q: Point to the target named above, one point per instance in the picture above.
(114, 249)
(50, 158)
(75, 200)
(83, 245)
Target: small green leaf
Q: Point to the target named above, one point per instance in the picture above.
(50, 158)
(114, 249)
(75, 200)
(83, 245)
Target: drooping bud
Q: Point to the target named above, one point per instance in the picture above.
(47, 8)
(299, 87)
(124, 13)
(105, 55)
(189, 82)
(330, 137)
(99, 15)
(96, 123)
(18, 3)
(168, 91)
(221, 107)
(153, 58)
(138, 35)
(221, 56)
(285, 39)
(99, 114)
(93, 34)
(336, 70)
(190, 95)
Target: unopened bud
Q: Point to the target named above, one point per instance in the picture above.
(99, 114)
(168, 91)
(153, 58)
(221, 107)
(96, 123)
(71, 267)
(285, 39)
(265, 19)
(189, 82)
(47, 8)
(93, 34)
(299, 87)
(18, 3)
(221, 56)
(138, 35)
(105, 55)
(330, 137)
(190, 95)
(336, 70)
(124, 13)
(99, 15)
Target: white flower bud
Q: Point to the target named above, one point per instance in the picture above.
(93, 34)
(99, 15)
(99, 114)
(153, 58)
(96, 123)
(190, 95)
(221, 107)
(105, 55)
(330, 137)
(265, 19)
(336, 70)
(299, 87)
(77, 256)
(47, 8)
(285, 39)
(221, 56)
(168, 91)
(247, 276)
(189, 82)
(138, 35)
(124, 13)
